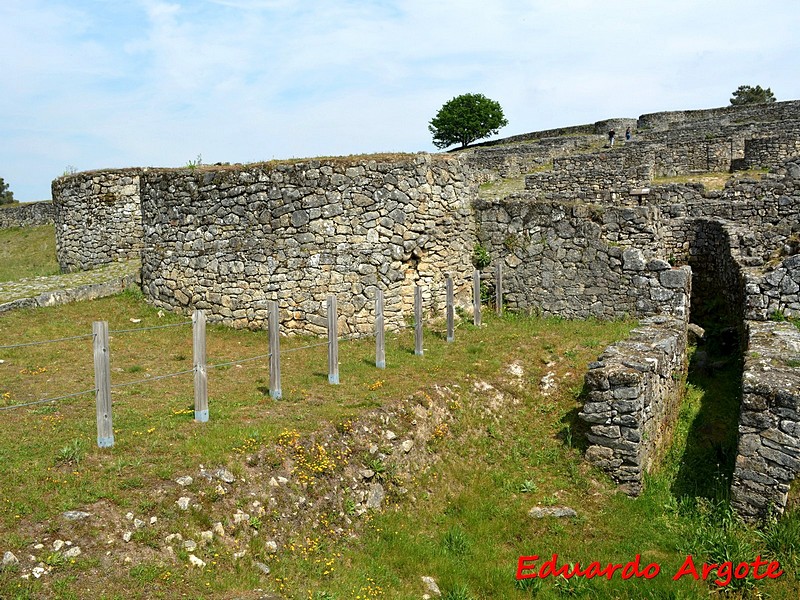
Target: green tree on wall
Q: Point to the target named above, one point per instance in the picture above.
(6, 196)
(466, 118)
(746, 94)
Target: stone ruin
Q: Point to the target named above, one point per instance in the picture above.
(586, 232)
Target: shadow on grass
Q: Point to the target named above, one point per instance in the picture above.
(715, 373)
(575, 431)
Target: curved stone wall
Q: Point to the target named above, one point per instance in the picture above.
(98, 218)
(229, 239)
(26, 215)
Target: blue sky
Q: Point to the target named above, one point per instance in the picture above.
(92, 84)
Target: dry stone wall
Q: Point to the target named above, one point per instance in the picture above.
(229, 240)
(728, 115)
(98, 218)
(768, 458)
(600, 177)
(27, 215)
(578, 260)
(634, 393)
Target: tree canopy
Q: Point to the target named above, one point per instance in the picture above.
(6, 196)
(466, 118)
(746, 94)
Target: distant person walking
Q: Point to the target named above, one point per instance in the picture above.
(628, 134)
(611, 135)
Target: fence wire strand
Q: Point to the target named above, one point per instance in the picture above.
(43, 342)
(236, 362)
(135, 329)
(149, 379)
(45, 400)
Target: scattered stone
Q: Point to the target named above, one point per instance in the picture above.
(240, 517)
(262, 567)
(58, 545)
(547, 384)
(273, 482)
(126, 537)
(271, 547)
(173, 537)
(220, 490)
(75, 515)
(73, 552)
(224, 475)
(366, 473)
(37, 572)
(153, 520)
(283, 480)
(129, 516)
(138, 523)
(515, 369)
(239, 555)
(218, 529)
(430, 585)
(539, 512)
(183, 502)
(407, 446)
(206, 537)
(9, 559)
(390, 435)
(190, 545)
(184, 481)
(39, 547)
(196, 562)
(373, 448)
(375, 496)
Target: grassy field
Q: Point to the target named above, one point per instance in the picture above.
(488, 446)
(27, 252)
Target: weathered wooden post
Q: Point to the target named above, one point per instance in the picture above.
(380, 339)
(476, 298)
(418, 321)
(274, 352)
(448, 284)
(200, 368)
(102, 384)
(333, 341)
(499, 288)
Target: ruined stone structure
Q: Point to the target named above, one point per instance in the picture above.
(590, 233)
(26, 215)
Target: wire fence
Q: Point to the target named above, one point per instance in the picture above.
(102, 373)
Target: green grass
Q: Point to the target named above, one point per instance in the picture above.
(462, 519)
(27, 252)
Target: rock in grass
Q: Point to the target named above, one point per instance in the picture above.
(539, 512)
(75, 515)
(375, 496)
(430, 585)
(184, 481)
(183, 502)
(196, 562)
(9, 559)
(224, 475)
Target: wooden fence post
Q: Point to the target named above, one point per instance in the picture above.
(499, 288)
(380, 339)
(418, 321)
(274, 352)
(102, 384)
(200, 369)
(333, 341)
(476, 298)
(448, 284)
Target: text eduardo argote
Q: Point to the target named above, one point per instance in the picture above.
(530, 567)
